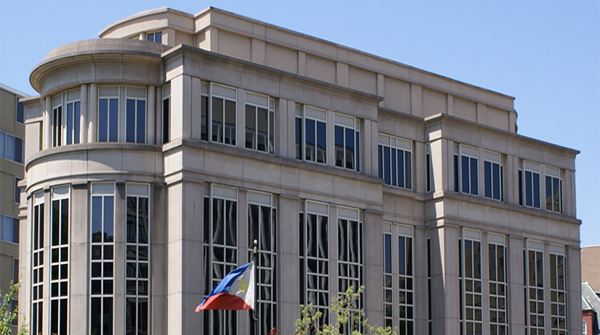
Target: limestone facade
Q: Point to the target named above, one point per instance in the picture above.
(158, 152)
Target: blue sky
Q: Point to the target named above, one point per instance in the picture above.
(546, 54)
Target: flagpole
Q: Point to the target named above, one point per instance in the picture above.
(256, 306)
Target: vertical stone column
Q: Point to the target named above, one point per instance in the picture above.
(514, 263)
(158, 252)
(181, 107)
(450, 277)
(368, 147)
(92, 113)
(419, 171)
(196, 107)
(120, 252)
(184, 255)
(79, 260)
(240, 122)
(158, 130)
(151, 114)
(420, 297)
(47, 119)
(84, 114)
(373, 266)
(289, 251)
(285, 129)
(511, 180)
(573, 285)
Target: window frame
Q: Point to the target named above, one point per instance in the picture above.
(347, 124)
(16, 151)
(109, 113)
(493, 158)
(552, 175)
(208, 92)
(136, 100)
(534, 249)
(470, 153)
(396, 145)
(321, 291)
(137, 191)
(270, 108)
(101, 189)
(311, 113)
(154, 34)
(19, 111)
(66, 131)
(534, 170)
(59, 194)
(472, 236)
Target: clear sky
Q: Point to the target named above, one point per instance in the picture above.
(546, 54)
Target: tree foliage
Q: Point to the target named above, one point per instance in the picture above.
(7, 315)
(343, 314)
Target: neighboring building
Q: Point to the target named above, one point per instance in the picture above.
(152, 166)
(590, 304)
(12, 135)
(590, 266)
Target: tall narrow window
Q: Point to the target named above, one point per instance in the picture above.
(66, 113)
(262, 226)
(108, 114)
(311, 135)
(350, 258)
(493, 175)
(260, 122)
(471, 298)
(102, 258)
(135, 112)
(558, 290)
(388, 315)
(37, 261)
(466, 170)
(395, 161)
(498, 285)
(553, 190)
(11, 147)
(137, 272)
(531, 184)
(17, 191)
(428, 169)
(166, 113)
(220, 252)
(314, 257)
(534, 287)
(59, 261)
(57, 121)
(218, 119)
(20, 112)
(347, 142)
(405, 281)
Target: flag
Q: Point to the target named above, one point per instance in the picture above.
(234, 292)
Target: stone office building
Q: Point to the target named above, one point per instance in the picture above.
(157, 153)
(12, 134)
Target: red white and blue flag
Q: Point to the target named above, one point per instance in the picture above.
(234, 292)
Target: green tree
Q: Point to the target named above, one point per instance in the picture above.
(344, 314)
(7, 315)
